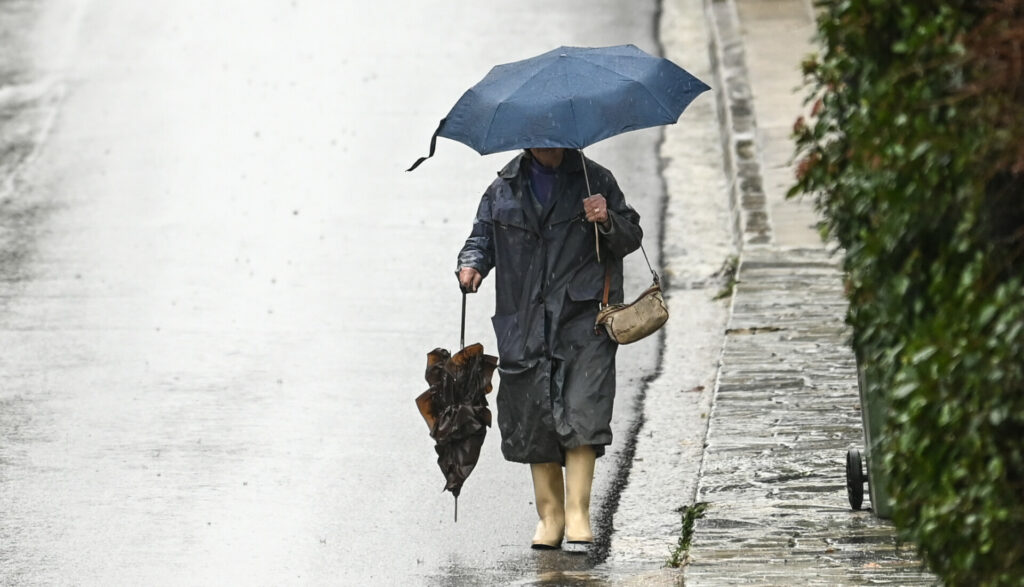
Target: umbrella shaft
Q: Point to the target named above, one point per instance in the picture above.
(462, 335)
(586, 178)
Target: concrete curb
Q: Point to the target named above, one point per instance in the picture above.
(752, 225)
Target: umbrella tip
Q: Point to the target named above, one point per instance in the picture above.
(456, 509)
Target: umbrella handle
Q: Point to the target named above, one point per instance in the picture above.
(462, 335)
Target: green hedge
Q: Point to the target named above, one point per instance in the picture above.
(913, 156)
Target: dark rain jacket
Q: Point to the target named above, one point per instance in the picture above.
(557, 373)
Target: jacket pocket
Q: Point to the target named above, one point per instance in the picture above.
(511, 342)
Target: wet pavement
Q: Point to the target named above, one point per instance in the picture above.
(786, 410)
(786, 406)
(218, 288)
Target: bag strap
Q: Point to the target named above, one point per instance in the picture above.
(607, 284)
(654, 274)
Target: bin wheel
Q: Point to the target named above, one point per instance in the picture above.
(855, 478)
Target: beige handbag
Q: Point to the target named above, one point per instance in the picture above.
(626, 323)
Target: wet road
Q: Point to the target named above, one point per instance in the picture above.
(218, 287)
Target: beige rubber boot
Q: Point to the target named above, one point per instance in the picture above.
(579, 477)
(550, 497)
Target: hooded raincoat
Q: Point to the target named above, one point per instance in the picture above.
(557, 372)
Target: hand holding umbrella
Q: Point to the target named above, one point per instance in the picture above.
(469, 279)
(596, 209)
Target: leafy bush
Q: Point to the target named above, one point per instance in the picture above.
(915, 156)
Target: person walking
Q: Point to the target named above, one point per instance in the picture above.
(534, 228)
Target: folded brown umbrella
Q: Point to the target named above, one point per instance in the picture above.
(455, 409)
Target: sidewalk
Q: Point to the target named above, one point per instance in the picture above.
(786, 405)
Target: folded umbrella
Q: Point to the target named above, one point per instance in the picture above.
(455, 408)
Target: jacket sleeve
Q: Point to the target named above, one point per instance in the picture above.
(478, 252)
(622, 233)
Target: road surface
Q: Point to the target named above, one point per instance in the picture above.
(218, 287)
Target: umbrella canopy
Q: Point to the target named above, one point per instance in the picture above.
(455, 410)
(569, 97)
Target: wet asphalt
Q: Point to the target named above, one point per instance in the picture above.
(218, 288)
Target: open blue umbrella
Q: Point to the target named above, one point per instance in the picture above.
(569, 97)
